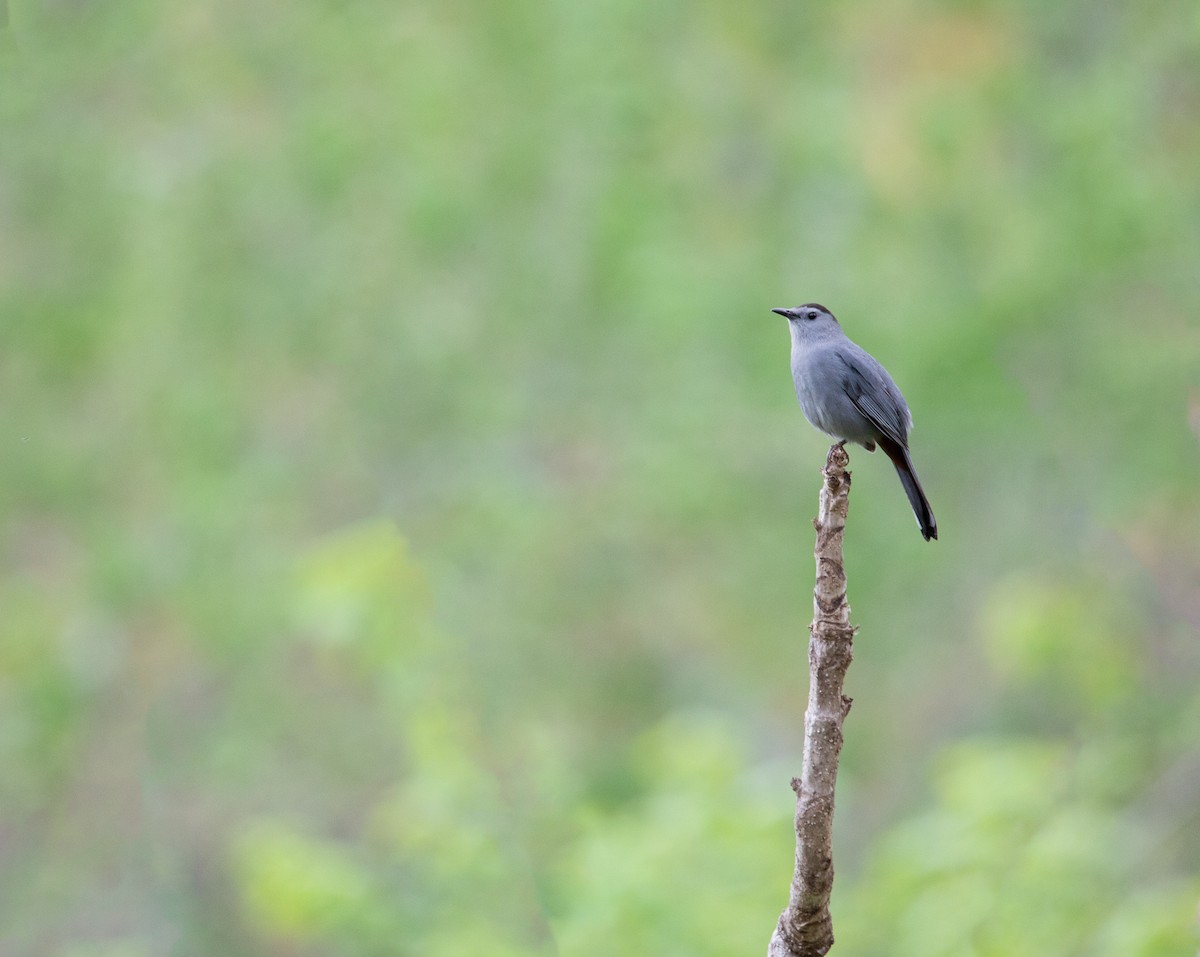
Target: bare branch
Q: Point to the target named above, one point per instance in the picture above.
(805, 928)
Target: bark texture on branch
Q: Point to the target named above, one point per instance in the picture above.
(805, 928)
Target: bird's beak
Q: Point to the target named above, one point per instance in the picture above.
(786, 313)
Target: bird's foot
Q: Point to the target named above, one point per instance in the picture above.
(838, 458)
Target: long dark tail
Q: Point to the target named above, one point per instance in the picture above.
(912, 487)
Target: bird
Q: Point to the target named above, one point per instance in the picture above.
(844, 391)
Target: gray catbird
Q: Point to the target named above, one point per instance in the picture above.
(845, 393)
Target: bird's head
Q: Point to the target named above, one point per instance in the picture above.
(810, 321)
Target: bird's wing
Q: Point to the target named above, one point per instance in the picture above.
(873, 393)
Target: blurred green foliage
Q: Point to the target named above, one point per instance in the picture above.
(405, 513)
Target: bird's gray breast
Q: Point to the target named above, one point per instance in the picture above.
(818, 374)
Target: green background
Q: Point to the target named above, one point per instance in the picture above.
(405, 512)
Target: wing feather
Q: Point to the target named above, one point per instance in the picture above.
(890, 415)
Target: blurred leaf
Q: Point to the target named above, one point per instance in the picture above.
(1069, 638)
(296, 888)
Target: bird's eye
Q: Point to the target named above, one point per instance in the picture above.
(811, 314)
